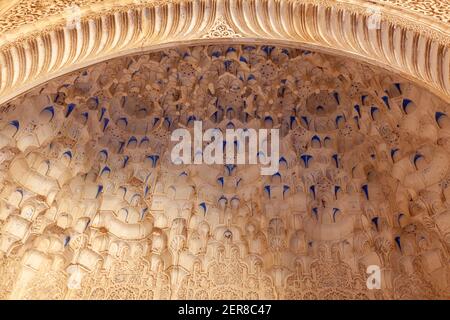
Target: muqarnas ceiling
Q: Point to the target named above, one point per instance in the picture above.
(91, 206)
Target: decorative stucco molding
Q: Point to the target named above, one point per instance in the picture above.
(41, 40)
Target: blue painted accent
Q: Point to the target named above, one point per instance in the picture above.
(235, 198)
(397, 85)
(393, 152)
(143, 109)
(417, 156)
(363, 98)
(291, 121)
(316, 138)
(51, 110)
(251, 77)
(223, 198)
(203, 206)
(102, 114)
(227, 64)
(125, 120)
(386, 101)
(132, 139)
(144, 139)
(105, 152)
(70, 108)
(69, 153)
(99, 190)
(372, 111)
(365, 189)
(105, 169)
(315, 212)
(399, 217)
(154, 158)
(230, 125)
(285, 189)
(285, 51)
(267, 189)
(375, 222)
(306, 158)
(276, 175)
(230, 167)
(356, 118)
(336, 160)
(224, 143)
(15, 123)
(337, 119)
(125, 161)
(124, 189)
(358, 109)
(405, 104)
(313, 191)
(220, 181)
(242, 59)
(121, 145)
(399, 244)
(56, 98)
(146, 190)
(231, 49)
(267, 49)
(335, 211)
(336, 190)
(168, 121)
(105, 123)
(216, 54)
(143, 212)
(336, 96)
(66, 241)
(305, 119)
(191, 118)
(438, 115)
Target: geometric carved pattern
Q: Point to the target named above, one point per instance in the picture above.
(128, 279)
(227, 278)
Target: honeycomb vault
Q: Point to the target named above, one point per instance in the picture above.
(91, 206)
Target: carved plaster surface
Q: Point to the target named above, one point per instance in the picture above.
(42, 39)
(91, 206)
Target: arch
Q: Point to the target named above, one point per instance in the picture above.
(389, 35)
